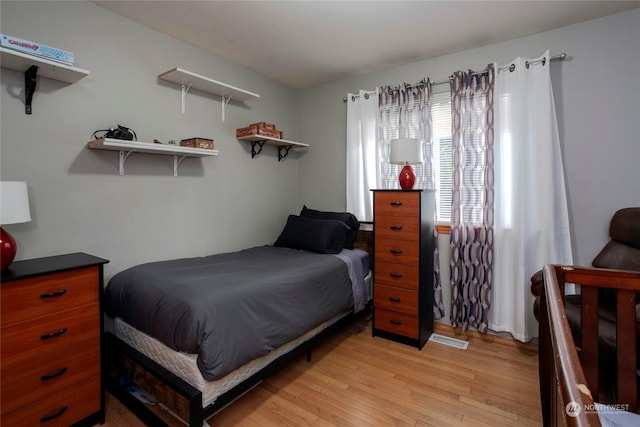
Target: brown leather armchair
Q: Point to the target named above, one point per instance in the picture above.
(622, 252)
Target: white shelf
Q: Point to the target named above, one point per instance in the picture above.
(257, 142)
(188, 80)
(53, 70)
(126, 148)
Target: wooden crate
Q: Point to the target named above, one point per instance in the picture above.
(197, 143)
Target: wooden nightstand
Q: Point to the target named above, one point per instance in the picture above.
(50, 342)
(404, 244)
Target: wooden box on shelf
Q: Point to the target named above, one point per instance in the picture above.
(260, 128)
(197, 143)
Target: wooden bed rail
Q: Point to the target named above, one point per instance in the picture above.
(568, 382)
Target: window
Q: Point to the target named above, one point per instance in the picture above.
(442, 151)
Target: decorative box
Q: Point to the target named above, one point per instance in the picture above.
(260, 128)
(197, 143)
(263, 125)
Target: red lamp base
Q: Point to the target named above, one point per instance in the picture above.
(407, 178)
(7, 249)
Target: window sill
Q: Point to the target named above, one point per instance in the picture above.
(443, 228)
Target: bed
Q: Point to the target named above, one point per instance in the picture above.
(197, 333)
(570, 378)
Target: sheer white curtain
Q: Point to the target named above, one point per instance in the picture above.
(531, 215)
(362, 165)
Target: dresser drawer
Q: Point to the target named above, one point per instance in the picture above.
(67, 331)
(397, 203)
(39, 296)
(400, 251)
(397, 299)
(395, 227)
(60, 409)
(42, 376)
(396, 322)
(399, 275)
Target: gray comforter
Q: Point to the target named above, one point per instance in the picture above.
(231, 308)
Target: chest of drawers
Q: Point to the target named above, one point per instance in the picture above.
(404, 244)
(50, 342)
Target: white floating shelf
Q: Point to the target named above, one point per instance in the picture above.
(126, 148)
(54, 70)
(188, 80)
(257, 141)
(196, 81)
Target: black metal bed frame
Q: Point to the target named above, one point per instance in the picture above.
(115, 349)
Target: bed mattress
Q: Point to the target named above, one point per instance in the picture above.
(184, 365)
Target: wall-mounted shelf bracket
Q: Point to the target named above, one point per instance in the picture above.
(29, 87)
(122, 160)
(32, 65)
(258, 141)
(177, 163)
(283, 150)
(185, 91)
(124, 155)
(259, 145)
(225, 101)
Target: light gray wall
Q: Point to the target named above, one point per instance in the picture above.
(80, 203)
(597, 96)
(78, 200)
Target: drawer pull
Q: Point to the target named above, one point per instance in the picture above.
(395, 275)
(396, 227)
(395, 251)
(395, 322)
(54, 294)
(394, 300)
(54, 375)
(396, 204)
(54, 416)
(53, 334)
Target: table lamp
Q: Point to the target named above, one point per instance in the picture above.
(14, 209)
(406, 151)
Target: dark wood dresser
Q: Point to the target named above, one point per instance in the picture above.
(50, 342)
(404, 244)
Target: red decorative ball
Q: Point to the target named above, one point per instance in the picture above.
(7, 249)
(407, 178)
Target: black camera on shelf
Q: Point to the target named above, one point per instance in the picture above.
(119, 132)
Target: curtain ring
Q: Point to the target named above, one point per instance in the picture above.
(512, 68)
(353, 98)
(366, 95)
(527, 64)
(544, 61)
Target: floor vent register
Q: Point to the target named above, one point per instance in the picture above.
(452, 342)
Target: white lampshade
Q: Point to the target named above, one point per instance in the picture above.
(406, 151)
(14, 202)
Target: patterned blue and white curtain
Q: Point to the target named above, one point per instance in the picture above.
(472, 232)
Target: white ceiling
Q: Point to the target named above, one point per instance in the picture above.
(305, 43)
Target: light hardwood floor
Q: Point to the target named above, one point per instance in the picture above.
(357, 380)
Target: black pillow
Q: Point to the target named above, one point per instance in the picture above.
(324, 236)
(348, 218)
